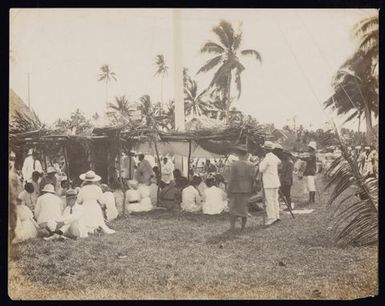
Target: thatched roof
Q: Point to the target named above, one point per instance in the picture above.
(21, 118)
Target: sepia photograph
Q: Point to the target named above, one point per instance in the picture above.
(185, 154)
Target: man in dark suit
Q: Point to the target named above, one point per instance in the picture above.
(240, 186)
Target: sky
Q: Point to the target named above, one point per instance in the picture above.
(62, 51)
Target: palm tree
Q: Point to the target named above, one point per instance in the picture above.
(147, 110)
(121, 105)
(106, 75)
(226, 53)
(195, 104)
(356, 82)
(161, 71)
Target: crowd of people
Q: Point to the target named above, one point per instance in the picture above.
(50, 205)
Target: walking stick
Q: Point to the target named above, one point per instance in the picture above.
(287, 204)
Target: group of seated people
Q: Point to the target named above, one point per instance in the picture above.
(76, 212)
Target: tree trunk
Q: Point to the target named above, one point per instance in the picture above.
(161, 90)
(369, 129)
(228, 98)
(359, 122)
(106, 95)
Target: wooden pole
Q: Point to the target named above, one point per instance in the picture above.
(66, 160)
(188, 161)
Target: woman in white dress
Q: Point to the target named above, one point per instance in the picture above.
(191, 198)
(91, 196)
(108, 201)
(26, 226)
(137, 197)
(215, 202)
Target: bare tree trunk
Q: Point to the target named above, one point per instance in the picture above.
(228, 98)
(369, 129)
(106, 95)
(359, 122)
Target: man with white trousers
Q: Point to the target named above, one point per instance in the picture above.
(269, 169)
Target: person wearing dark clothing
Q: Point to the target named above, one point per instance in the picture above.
(286, 176)
(310, 171)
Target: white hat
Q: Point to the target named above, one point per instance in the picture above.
(30, 152)
(133, 184)
(51, 170)
(313, 145)
(90, 176)
(49, 188)
(268, 145)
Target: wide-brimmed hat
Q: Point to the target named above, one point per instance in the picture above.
(313, 145)
(268, 145)
(133, 184)
(30, 152)
(90, 176)
(49, 188)
(51, 170)
(71, 193)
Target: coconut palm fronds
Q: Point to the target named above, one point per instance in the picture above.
(356, 215)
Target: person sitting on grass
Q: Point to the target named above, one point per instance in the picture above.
(118, 197)
(70, 224)
(90, 195)
(36, 175)
(145, 199)
(153, 191)
(215, 202)
(169, 195)
(137, 200)
(191, 197)
(108, 203)
(48, 209)
(180, 181)
(26, 227)
(28, 196)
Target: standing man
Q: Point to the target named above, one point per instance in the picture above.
(144, 171)
(286, 177)
(240, 186)
(167, 170)
(310, 170)
(269, 169)
(31, 164)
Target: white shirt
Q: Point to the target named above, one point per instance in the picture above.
(108, 199)
(167, 170)
(48, 208)
(72, 214)
(191, 199)
(269, 169)
(214, 201)
(28, 168)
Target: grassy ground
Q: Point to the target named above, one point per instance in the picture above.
(171, 255)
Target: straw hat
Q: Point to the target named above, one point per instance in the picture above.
(133, 184)
(51, 170)
(268, 145)
(313, 145)
(90, 176)
(71, 193)
(49, 188)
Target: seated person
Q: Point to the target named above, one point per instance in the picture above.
(191, 198)
(64, 186)
(180, 181)
(118, 197)
(169, 195)
(48, 209)
(28, 196)
(215, 202)
(134, 198)
(153, 191)
(145, 199)
(26, 227)
(108, 203)
(71, 224)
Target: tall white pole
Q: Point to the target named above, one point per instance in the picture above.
(178, 72)
(181, 162)
(29, 97)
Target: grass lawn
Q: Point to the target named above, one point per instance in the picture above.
(171, 255)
